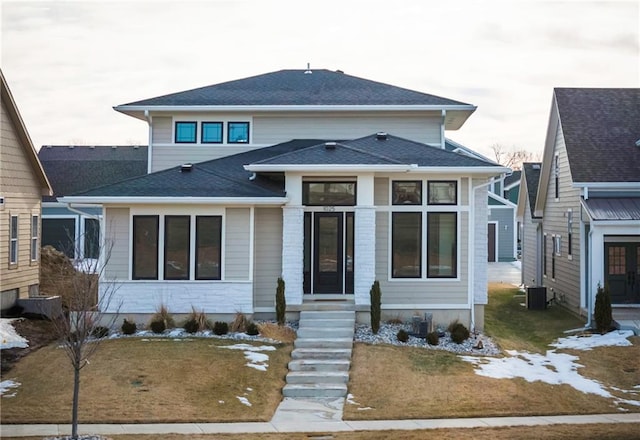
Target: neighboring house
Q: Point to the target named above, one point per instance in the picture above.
(328, 180)
(72, 169)
(588, 198)
(531, 226)
(22, 185)
(502, 228)
(511, 186)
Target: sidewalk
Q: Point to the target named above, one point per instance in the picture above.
(306, 426)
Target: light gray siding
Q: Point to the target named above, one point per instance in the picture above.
(167, 156)
(116, 223)
(270, 129)
(268, 255)
(381, 191)
(530, 250)
(566, 283)
(504, 217)
(237, 238)
(161, 130)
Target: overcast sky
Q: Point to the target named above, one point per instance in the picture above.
(69, 63)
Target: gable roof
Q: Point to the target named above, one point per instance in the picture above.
(512, 180)
(600, 128)
(23, 135)
(613, 209)
(73, 169)
(232, 178)
(297, 90)
(531, 177)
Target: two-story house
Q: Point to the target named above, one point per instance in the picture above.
(588, 199)
(328, 180)
(22, 185)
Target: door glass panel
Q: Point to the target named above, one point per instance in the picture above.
(616, 264)
(349, 245)
(328, 244)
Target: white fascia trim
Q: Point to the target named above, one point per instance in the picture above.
(507, 203)
(177, 200)
(53, 205)
(491, 171)
(331, 168)
(607, 185)
(297, 108)
(635, 223)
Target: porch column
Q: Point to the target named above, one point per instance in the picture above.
(293, 252)
(364, 240)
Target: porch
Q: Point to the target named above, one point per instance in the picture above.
(627, 318)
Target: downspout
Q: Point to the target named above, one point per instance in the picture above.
(472, 239)
(443, 113)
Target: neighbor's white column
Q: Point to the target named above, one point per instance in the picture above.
(364, 240)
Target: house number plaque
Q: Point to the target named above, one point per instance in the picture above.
(329, 208)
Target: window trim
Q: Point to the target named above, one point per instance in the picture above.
(133, 246)
(202, 130)
(13, 239)
(35, 236)
(455, 186)
(247, 123)
(195, 132)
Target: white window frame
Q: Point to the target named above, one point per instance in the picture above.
(35, 235)
(13, 240)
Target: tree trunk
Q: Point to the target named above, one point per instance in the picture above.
(76, 395)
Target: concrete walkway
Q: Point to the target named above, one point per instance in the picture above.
(304, 425)
(505, 272)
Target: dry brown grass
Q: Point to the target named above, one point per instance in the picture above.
(158, 380)
(626, 431)
(277, 332)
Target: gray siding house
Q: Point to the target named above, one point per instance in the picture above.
(588, 199)
(325, 179)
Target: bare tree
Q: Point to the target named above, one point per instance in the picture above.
(88, 312)
(512, 158)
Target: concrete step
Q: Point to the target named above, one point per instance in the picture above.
(317, 377)
(329, 306)
(327, 323)
(323, 343)
(321, 353)
(316, 390)
(325, 333)
(328, 365)
(328, 314)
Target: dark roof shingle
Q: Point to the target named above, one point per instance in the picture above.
(531, 172)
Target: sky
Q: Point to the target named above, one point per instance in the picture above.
(69, 63)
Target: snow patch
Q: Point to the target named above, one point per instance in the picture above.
(8, 336)
(616, 338)
(244, 401)
(257, 360)
(7, 385)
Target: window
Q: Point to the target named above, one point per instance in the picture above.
(441, 245)
(61, 234)
(569, 233)
(145, 247)
(556, 173)
(557, 247)
(329, 193)
(442, 193)
(91, 238)
(238, 132)
(186, 132)
(211, 132)
(208, 247)
(176, 247)
(34, 237)
(406, 244)
(544, 256)
(555, 240)
(13, 240)
(407, 193)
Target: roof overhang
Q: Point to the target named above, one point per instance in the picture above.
(608, 185)
(455, 115)
(84, 200)
(409, 168)
(618, 210)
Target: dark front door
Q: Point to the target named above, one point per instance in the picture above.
(328, 253)
(622, 270)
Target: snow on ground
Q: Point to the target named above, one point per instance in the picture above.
(8, 336)
(244, 401)
(256, 359)
(554, 368)
(7, 385)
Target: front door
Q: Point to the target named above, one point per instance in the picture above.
(622, 271)
(328, 255)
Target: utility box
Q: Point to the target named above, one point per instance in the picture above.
(536, 298)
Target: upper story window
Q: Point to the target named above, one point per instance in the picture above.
(329, 193)
(13, 240)
(186, 132)
(211, 133)
(407, 192)
(442, 192)
(238, 132)
(556, 176)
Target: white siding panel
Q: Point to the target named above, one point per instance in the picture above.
(118, 237)
(237, 236)
(381, 191)
(268, 255)
(161, 130)
(168, 156)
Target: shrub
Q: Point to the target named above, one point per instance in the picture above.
(157, 326)
(220, 328)
(128, 327)
(196, 321)
(375, 295)
(459, 333)
(395, 320)
(433, 338)
(100, 332)
(281, 302)
(239, 324)
(162, 314)
(190, 325)
(252, 329)
(602, 313)
(402, 335)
